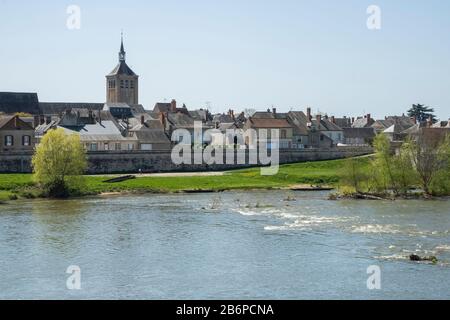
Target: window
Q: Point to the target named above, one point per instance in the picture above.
(122, 84)
(130, 146)
(26, 141)
(112, 84)
(118, 146)
(322, 138)
(146, 147)
(106, 146)
(132, 84)
(93, 147)
(126, 84)
(9, 141)
(283, 134)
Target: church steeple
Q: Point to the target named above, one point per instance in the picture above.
(122, 84)
(122, 53)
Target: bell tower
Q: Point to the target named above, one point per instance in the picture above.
(122, 84)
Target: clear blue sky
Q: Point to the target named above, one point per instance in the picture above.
(235, 53)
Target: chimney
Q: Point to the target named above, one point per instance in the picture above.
(162, 119)
(308, 114)
(41, 119)
(369, 117)
(274, 110)
(333, 119)
(353, 120)
(142, 120)
(268, 110)
(36, 121)
(173, 106)
(318, 119)
(48, 120)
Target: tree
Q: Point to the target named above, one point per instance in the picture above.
(353, 175)
(422, 113)
(249, 112)
(59, 162)
(383, 164)
(431, 160)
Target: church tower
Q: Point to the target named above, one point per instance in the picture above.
(122, 83)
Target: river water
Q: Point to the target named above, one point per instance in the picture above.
(232, 245)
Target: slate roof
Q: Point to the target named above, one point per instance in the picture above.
(14, 102)
(269, 123)
(363, 133)
(154, 136)
(122, 69)
(299, 122)
(180, 120)
(57, 108)
(107, 130)
(363, 123)
(343, 122)
(162, 107)
(325, 125)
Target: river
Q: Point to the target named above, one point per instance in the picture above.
(231, 245)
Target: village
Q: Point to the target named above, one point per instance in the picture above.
(123, 125)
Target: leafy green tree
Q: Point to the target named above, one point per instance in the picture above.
(59, 162)
(354, 175)
(383, 164)
(422, 113)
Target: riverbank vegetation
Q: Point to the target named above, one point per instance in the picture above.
(321, 173)
(420, 167)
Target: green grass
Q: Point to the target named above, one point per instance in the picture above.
(310, 173)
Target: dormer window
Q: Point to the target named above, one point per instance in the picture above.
(122, 84)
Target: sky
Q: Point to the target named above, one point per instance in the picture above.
(236, 53)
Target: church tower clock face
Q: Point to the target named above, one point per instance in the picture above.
(122, 84)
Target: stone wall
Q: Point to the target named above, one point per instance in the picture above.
(126, 162)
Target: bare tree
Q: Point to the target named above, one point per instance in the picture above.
(430, 157)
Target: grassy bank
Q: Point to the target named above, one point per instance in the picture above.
(309, 173)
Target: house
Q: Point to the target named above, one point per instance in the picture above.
(16, 134)
(363, 122)
(148, 132)
(16, 102)
(441, 124)
(396, 131)
(98, 131)
(57, 109)
(359, 136)
(384, 124)
(269, 124)
(322, 130)
(300, 134)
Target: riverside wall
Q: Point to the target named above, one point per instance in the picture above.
(153, 161)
